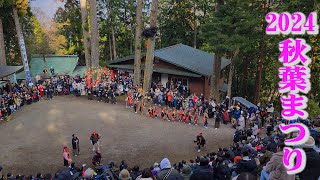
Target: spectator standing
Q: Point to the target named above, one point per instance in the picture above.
(75, 145)
(1, 175)
(95, 141)
(66, 157)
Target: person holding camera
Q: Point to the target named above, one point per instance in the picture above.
(200, 140)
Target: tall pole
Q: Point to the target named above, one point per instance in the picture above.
(22, 45)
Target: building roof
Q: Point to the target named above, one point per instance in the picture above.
(62, 64)
(244, 102)
(184, 56)
(8, 70)
(159, 70)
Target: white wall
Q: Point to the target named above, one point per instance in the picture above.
(164, 79)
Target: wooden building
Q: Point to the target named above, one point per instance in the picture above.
(179, 63)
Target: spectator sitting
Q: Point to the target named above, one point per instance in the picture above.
(135, 172)
(247, 164)
(124, 175)
(186, 172)
(203, 172)
(156, 169)
(167, 172)
(145, 175)
(275, 169)
(96, 160)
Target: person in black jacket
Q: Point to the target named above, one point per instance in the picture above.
(200, 140)
(75, 145)
(247, 164)
(203, 172)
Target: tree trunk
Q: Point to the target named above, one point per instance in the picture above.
(94, 34)
(84, 23)
(110, 49)
(261, 59)
(215, 77)
(230, 80)
(219, 3)
(21, 45)
(3, 61)
(245, 77)
(259, 72)
(148, 70)
(231, 74)
(114, 43)
(137, 48)
(194, 25)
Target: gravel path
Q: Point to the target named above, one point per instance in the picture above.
(32, 142)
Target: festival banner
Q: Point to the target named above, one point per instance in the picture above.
(295, 81)
(25, 59)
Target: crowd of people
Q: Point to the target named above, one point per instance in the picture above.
(249, 157)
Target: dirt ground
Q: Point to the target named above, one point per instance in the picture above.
(32, 142)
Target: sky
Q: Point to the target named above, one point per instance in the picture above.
(48, 7)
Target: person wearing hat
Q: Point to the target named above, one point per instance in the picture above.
(124, 174)
(200, 140)
(167, 172)
(311, 171)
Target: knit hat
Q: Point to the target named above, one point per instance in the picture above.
(310, 143)
(124, 174)
(259, 147)
(165, 164)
